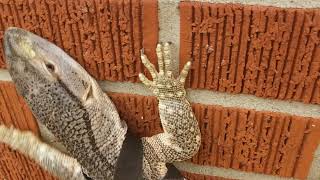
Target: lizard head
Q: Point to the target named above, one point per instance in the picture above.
(34, 62)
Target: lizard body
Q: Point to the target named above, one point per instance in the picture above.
(68, 102)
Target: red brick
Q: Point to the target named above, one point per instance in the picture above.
(104, 36)
(14, 111)
(266, 51)
(242, 139)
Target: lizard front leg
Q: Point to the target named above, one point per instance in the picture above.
(52, 160)
(181, 137)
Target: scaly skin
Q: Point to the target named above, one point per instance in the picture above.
(70, 107)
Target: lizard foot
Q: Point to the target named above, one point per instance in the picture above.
(164, 85)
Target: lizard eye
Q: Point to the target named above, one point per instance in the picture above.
(50, 67)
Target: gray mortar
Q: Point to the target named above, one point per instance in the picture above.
(252, 102)
(169, 23)
(4, 75)
(225, 173)
(224, 99)
(276, 3)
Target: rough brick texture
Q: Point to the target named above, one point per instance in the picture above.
(13, 111)
(104, 36)
(192, 176)
(265, 51)
(248, 140)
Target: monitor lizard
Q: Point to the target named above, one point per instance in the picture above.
(70, 106)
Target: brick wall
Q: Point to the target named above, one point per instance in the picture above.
(254, 83)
